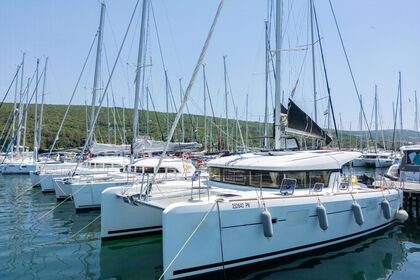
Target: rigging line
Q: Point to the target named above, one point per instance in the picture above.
(106, 87)
(214, 118)
(190, 85)
(236, 111)
(10, 86)
(194, 129)
(25, 109)
(351, 71)
(189, 238)
(124, 69)
(326, 78)
(112, 94)
(71, 98)
(173, 105)
(156, 115)
(158, 37)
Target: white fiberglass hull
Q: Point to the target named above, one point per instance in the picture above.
(87, 195)
(136, 220)
(232, 234)
(139, 219)
(18, 168)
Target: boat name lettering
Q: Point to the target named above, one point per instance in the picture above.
(236, 205)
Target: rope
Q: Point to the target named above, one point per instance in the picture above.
(189, 88)
(79, 231)
(189, 238)
(351, 72)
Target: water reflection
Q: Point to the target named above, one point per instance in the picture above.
(375, 257)
(132, 258)
(65, 244)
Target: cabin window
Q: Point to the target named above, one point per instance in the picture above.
(264, 179)
(171, 170)
(149, 170)
(302, 181)
(215, 174)
(108, 165)
(139, 169)
(413, 157)
(235, 176)
(322, 176)
(132, 168)
(161, 170)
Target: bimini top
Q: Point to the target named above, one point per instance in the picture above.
(410, 147)
(287, 161)
(109, 160)
(178, 163)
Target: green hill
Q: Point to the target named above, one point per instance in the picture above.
(74, 130)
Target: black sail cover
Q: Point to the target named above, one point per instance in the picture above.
(300, 123)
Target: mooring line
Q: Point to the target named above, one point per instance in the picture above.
(77, 233)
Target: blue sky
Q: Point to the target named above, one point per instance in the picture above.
(381, 38)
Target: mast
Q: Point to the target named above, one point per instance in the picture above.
(41, 114)
(139, 66)
(246, 124)
(167, 102)
(20, 106)
(97, 67)
(36, 114)
(123, 120)
(266, 87)
(182, 116)
(401, 117)
(226, 103)
(26, 113)
(205, 112)
(313, 59)
(277, 115)
(14, 108)
(416, 118)
(147, 113)
(376, 113)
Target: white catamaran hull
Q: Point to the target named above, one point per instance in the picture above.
(135, 219)
(233, 235)
(87, 195)
(18, 168)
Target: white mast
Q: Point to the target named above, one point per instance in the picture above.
(14, 108)
(20, 107)
(36, 114)
(138, 68)
(246, 125)
(376, 113)
(277, 126)
(416, 118)
(266, 87)
(26, 107)
(401, 116)
(205, 112)
(167, 102)
(182, 117)
(97, 66)
(41, 114)
(226, 103)
(313, 59)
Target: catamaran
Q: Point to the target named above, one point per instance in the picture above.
(86, 191)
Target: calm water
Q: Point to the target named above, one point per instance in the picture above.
(40, 239)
